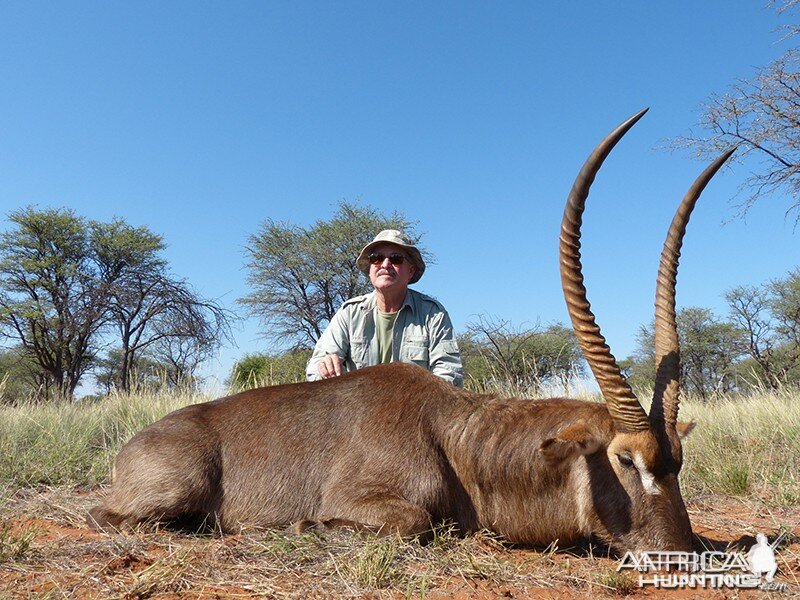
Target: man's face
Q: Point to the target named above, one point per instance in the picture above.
(386, 276)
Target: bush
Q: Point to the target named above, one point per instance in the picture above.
(258, 370)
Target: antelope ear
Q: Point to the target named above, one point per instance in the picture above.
(574, 440)
(684, 428)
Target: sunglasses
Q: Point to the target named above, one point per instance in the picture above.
(376, 258)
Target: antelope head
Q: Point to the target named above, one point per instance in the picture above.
(636, 500)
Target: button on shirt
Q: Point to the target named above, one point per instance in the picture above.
(422, 334)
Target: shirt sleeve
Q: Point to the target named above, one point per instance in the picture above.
(334, 340)
(445, 358)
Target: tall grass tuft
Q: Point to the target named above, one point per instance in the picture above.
(14, 545)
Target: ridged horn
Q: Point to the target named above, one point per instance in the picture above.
(666, 395)
(625, 409)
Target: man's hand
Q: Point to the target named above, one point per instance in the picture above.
(329, 366)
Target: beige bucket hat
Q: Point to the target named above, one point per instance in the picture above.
(392, 236)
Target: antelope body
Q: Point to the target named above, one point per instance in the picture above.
(395, 448)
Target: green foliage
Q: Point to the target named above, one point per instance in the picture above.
(122, 248)
(711, 348)
(299, 276)
(639, 370)
(259, 370)
(478, 370)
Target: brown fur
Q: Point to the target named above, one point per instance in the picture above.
(395, 448)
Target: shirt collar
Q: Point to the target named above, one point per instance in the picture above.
(371, 302)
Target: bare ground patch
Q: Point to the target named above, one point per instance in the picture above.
(46, 551)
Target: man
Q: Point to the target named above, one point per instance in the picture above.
(391, 323)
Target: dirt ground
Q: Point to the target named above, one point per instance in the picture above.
(46, 551)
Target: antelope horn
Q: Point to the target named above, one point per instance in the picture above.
(666, 395)
(625, 409)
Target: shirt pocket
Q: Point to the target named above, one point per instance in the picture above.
(415, 350)
(359, 351)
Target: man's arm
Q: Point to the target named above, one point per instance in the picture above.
(334, 343)
(444, 356)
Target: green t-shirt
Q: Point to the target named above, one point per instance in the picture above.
(384, 325)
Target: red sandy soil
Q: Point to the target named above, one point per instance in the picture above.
(65, 559)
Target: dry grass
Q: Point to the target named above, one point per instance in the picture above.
(75, 443)
(746, 447)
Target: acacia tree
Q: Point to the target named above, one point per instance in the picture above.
(762, 115)
(148, 374)
(710, 349)
(181, 355)
(66, 282)
(525, 357)
(51, 296)
(151, 309)
(769, 315)
(299, 276)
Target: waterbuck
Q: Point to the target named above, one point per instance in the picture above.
(394, 448)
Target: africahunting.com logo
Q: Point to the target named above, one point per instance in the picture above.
(710, 569)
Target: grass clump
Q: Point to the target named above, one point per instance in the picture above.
(170, 575)
(294, 551)
(373, 565)
(14, 545)
(617, 583)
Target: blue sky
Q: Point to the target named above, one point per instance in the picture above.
(200, 120)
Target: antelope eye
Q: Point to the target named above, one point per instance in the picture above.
(626, 460)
